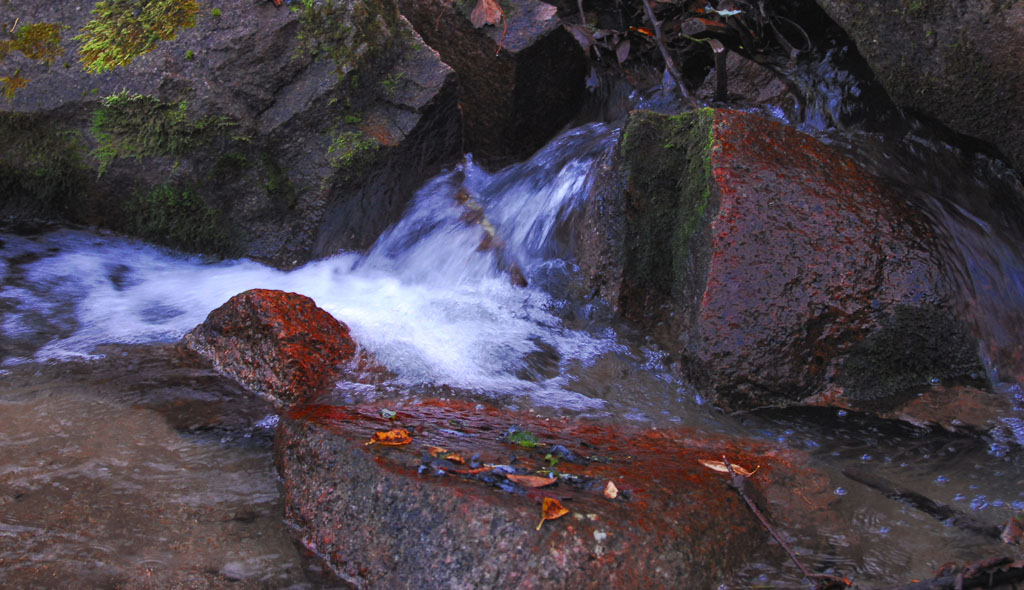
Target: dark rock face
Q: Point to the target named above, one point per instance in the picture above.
(277, 344)
(261, 131)
(515, 100)
(779, 271)
(954, 62)
(398, 517)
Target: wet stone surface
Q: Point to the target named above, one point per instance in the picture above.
(142, 470)
(449, 508)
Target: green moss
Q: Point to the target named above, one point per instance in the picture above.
(351, 152)
(39, 42)
(135, 126)
(122, 30)
(668, 159)
(523, 438)
(215, 13)
(42, 166)
(355, 34)
(279, 185)
(174, 216)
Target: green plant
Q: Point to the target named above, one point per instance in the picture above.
(190, 55)
(40, 42)
(215, 13)
(134, 125)
(352, 33)
(122, 30)
(176, 217)
(350, 151)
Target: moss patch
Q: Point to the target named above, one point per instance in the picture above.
(39, 41)
(42, 166)
(175, 216)
(122, 30)
(355, 34)
(668, 159)
(912, 347)
(136, 126)
(350, 152)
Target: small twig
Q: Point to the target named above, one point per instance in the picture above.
(669, 64)
(583, 17)
(738, 481)
(444, 7)
(504, 24)
(15, 25)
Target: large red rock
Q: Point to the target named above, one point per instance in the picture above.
(412, 516)
(778, 271)
(277, 344)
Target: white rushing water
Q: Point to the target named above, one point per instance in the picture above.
(431, 303)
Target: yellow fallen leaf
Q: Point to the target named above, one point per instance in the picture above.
(551, 509)
(530, 481)
(720, 466)
(398, 436)
(610, 490)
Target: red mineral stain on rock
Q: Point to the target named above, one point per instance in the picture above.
(276, 344)
(397, 517)
(778, 270)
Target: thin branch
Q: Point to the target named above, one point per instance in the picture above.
(669, 64)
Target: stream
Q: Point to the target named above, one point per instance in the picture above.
(128, 464)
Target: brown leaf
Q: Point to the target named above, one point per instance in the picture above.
(441, 453)
(396, 437)
(486, 12)
(611, 491)
(530, 481)
(720, 466)
(622, 51)
(551, 509)
(544, 11)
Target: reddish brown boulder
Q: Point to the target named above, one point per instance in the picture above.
(444, 509)
(279, 345)
(513, 100)
(779, 271)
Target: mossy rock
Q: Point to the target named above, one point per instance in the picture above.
(668, 159)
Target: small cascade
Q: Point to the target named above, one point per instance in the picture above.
(455, 294)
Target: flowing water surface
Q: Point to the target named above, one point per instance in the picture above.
(127, 464)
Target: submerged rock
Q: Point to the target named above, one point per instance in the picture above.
(778, 271)
(513, 100)
(277, 344)
(445, 510)
(247, 130)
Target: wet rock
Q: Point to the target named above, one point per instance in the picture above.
(442, 511)
(956, 63)
(277, 344)
(515, 100)
(777, 270)
(261, 131)
(753, 86)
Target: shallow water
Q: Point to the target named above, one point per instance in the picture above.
(129, 464)
(142, 470)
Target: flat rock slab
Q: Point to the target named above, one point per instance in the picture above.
(444, 510)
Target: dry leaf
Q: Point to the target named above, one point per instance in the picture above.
(544, 11)
(610, 490)
(720, 466)
(398, 436)
(487, 12)
(530, 481)
(622, 51)
(551, 509)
